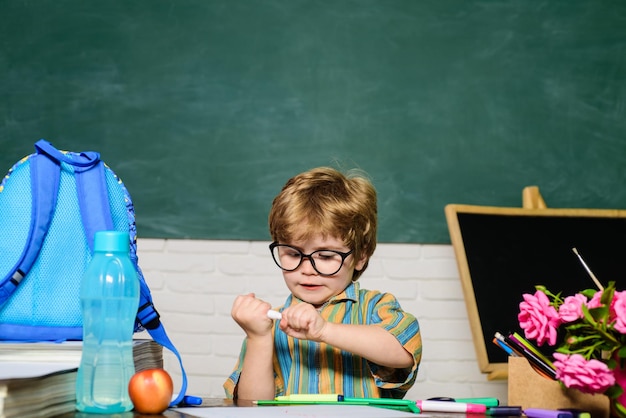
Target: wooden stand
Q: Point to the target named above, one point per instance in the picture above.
(531, 198)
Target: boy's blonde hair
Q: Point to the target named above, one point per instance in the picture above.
(327, 202)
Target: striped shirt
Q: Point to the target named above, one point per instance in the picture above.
(303, 366)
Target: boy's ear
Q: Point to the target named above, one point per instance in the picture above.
(361, 263)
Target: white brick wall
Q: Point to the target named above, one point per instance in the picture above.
(194, 283)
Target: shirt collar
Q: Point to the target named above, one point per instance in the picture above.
(349, 293)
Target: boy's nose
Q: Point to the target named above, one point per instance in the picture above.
(307, 267)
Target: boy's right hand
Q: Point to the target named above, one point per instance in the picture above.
(251, 315)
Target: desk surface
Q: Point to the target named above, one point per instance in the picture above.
(170, 413)
(249, 409)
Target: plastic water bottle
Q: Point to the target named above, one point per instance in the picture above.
(109, 297)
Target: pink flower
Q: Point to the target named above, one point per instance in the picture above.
(571, 309)
(591, 376)
(618, 311)
(595, 300)
(538, 318)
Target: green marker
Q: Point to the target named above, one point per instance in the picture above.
(488, 402)
(326, 399)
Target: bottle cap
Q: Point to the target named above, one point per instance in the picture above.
(111, 241)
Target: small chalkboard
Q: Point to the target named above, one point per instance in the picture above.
(503, 253)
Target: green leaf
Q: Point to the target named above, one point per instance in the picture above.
(588, 317)
(622, 352)
(620, 408)
(614, 391)
(611, 364)
(607, 295)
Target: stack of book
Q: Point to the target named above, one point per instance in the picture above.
(39, 379)
(37, 389)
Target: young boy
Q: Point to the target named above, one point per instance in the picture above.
(333, 336)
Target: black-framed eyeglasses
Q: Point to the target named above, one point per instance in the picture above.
(325, 262)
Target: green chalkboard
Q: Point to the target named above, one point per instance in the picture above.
(205, 108)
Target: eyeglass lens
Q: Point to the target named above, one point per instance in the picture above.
(325, 262)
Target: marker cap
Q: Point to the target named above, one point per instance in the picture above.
(546, 413)
(485, 401)
(577, 413)
(446, 406)
(504, 410)
(476, 408)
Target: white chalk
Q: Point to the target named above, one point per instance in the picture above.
(274, 315)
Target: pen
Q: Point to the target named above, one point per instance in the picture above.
(546, 413)
(274, 315)
(502, 342)
(444, 406)
(505, 347)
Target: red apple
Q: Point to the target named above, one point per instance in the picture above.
(151, 391)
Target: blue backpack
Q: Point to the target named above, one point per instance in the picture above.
(51, 204)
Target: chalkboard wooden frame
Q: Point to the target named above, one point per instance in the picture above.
(503, 252)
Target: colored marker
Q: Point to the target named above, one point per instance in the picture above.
(189, 400)
(274, 315)
(534, 361)
(488, 402)
(532, 348)
(336, 399)
(310, 397)
(445, 406)
(511, 411)
(546, 413)
(577, 413)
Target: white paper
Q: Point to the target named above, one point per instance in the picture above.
(12, 370)
(308, 411)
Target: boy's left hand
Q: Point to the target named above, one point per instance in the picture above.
(303, 321)
(250, 313)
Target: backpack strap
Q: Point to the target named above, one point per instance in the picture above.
(44, 179)
(159, 335)
(149, 318)
(93, 198)
(45, 172)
